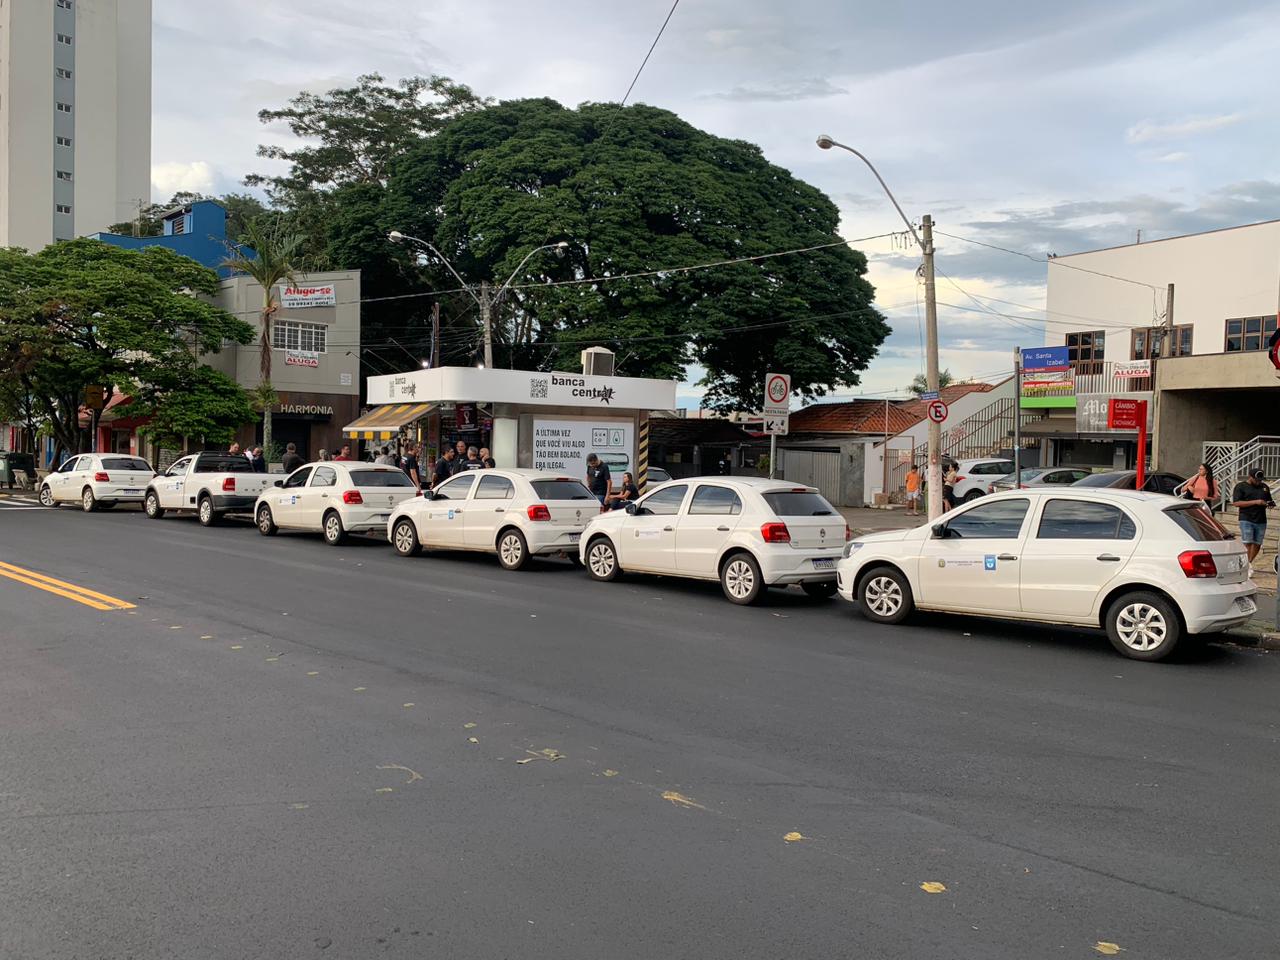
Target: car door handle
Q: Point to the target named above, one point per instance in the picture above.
(668, 529)
(724, 529)
(499, 509)
(1006, 556)
(1109, 557)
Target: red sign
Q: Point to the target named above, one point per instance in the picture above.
(1126, 414)
(937, 411)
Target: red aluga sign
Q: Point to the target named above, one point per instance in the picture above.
(1125, 414)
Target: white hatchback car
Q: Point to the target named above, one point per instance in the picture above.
(973, 477)
(1148, 568)
(747, 532)
(97, 480)
(516, 514)
(333, 497)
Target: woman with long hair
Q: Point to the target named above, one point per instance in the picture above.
(1203, 487)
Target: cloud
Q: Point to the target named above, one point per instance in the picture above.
(810, 89)
(1145, 131)
(195, 176)
(1176, 157)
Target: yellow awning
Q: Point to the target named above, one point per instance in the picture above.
(383, 423)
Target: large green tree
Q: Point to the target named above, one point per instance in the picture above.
(84, 313)
(639, 191)
(192, 402)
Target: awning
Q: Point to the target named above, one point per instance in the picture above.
(385, 422)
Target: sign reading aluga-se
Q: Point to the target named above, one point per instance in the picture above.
(315, 295)
(778, 426)
(777, 395)
(937, 411)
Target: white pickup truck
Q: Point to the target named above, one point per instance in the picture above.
(210, 483)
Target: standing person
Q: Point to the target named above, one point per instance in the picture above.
(234, 448)
(598, 480)
(473, 461)
(323, 454)
(913, 491)
(258, 460)
(626, 493)
(949, 476)
(291, 461)
(490, 464)
(724, 466)
(1203, 487)
(384, 457)
(485, 455)
(443, 468)
(459, 456)
(345, 453)
(1251, 498)
(409, 464)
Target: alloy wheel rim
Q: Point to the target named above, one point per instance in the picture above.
(206, 510)
(739, 579)
(884, 596)
(331, 528)
(510, 549)
(1141, 627)
(46, 496)
(404, 538)
(264, 520)
(601, 560)
(151, 506)
(88, 500)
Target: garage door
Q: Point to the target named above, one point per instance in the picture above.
(814, 468)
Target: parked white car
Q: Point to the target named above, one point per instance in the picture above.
(333, 498)
(747, 532)
(1147, 568)
(973, 477)
(1040, 477)
(516, 514)
(211, 483)
(97, 480)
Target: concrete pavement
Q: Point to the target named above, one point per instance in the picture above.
(291, 750)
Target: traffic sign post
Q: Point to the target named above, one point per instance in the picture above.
(777, 426)
(937, 411)
(776, 412)
(1128, 414)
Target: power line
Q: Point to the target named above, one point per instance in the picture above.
(1057, 261)
(652, 46)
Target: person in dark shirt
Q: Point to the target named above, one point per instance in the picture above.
(1251, 498)
(258, 460)
(459, 456)
(473, 461)
(409, 464)
(598, 480)
(443, 469)
(626, 493)
(291, 461)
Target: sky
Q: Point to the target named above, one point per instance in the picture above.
(1040, 128)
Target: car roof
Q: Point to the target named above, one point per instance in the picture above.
(523, 473)
(758, 484)
(1082, 493)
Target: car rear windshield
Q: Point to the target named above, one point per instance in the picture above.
(223, 463)
(125, 463)
(1196, 520)
(799, 504)
(561, 490)
(380, 478)
(1097, 480)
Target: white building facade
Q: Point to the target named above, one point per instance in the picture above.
(75, 117)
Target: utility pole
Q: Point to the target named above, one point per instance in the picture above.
(1017, 418)
(1166, 348)
(486, 316)
(435, 334)
(931, 359)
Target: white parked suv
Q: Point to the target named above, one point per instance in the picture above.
(334, 498)
(1147, 568)
(973, 477)
(97, 480)
(747, 532)
(516, 514)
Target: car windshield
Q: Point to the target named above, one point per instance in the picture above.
(223, 463)
(799, 503)
(561, 490)
(125, 463)
(1098, 480)
(380, 478)
(1196, 520)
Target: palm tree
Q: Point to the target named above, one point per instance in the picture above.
(921, 383)
(268, 255)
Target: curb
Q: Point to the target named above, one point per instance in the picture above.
(1263, 641)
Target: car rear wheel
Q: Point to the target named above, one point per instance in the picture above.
(513, 551)
(602, 560)
(334, 534)
(740, 579)
(884, 595)
(151, 505)
(88, 501)
(823, 590)
(205, 512)
(404, 537)
(1143, 626)
(266, 524)
(46, 496)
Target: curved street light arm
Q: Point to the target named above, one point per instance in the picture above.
(502, 290)
(888, 193)
(441, 257)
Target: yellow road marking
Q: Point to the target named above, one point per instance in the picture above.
(90, 598)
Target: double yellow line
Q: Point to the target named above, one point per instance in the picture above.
(90, 598)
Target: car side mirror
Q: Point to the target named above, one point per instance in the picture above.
(939, 531)
(278, 483)
(631, 507)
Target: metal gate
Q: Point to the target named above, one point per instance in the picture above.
(814, 468)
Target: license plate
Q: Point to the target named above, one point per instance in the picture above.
(824, 564)
(128, 492)
(575, 537)
(382, 516)
(1246, 604)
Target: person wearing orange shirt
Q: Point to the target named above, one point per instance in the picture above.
(913, 491)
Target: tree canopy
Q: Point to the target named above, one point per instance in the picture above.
(242, 209)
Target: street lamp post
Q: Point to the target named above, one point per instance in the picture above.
(934, 467)
(485, 300)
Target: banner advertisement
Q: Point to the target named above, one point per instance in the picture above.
(1091, 411)
(1131, 369)
(301, 358)
(465, 417)
(296, 298)
(1045, 358)
(563, 445)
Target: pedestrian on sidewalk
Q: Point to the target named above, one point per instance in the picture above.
(950, 473)
(291, 461)
(1251, 498)
(1203, 487)
(598, 480)
(443, 469)
(913, 491)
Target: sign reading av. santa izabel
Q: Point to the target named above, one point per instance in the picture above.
(318, 295)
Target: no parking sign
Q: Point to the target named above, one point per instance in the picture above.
(937, 411)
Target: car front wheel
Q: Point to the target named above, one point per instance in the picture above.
(513, 551)
(151, 506)
(884, 595)
(266, 524)
(404, 537)
(602, 560)
(1143, 626)
(740, 579)
(46, 497)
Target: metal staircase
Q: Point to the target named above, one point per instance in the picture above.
(1231, 462)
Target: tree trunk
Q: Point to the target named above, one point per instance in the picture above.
(264, 370)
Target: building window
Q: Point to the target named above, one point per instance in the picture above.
(65, 4)
(64, 175)
(64, 107)
(63, 73)
(293, 335)
(1249, 333)
(62, 208)
(63, 141)
(1086, 348)
(1148, 342)
(64, 38)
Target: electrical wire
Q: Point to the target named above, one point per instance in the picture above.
(652, 46)
(1057, 261)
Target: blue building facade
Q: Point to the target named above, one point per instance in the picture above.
(197, 230)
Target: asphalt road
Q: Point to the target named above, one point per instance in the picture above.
(290, 750)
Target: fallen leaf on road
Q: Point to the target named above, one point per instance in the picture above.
(207, 636)
(547, 754)
(794, 836)
(611, 773)
(407, 705)
(313, 673)
(382, 790)
(468, 726)
(360, 689)
(1107, 948)
(472, 740)
(273, 659)
(299, 806)
(237, 646)
(680, 800)
(932, 886)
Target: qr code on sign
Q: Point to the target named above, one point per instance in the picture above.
(538, 389)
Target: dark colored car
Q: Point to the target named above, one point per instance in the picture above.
(1127, 480)
(658, 475)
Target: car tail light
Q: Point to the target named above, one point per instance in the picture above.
(352, 496)
(539, 511)
(848, 533)
(775, 533)
(1197, 563)
(228, 484)
(101, 477)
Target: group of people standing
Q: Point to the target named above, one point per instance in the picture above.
(1251, 497)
